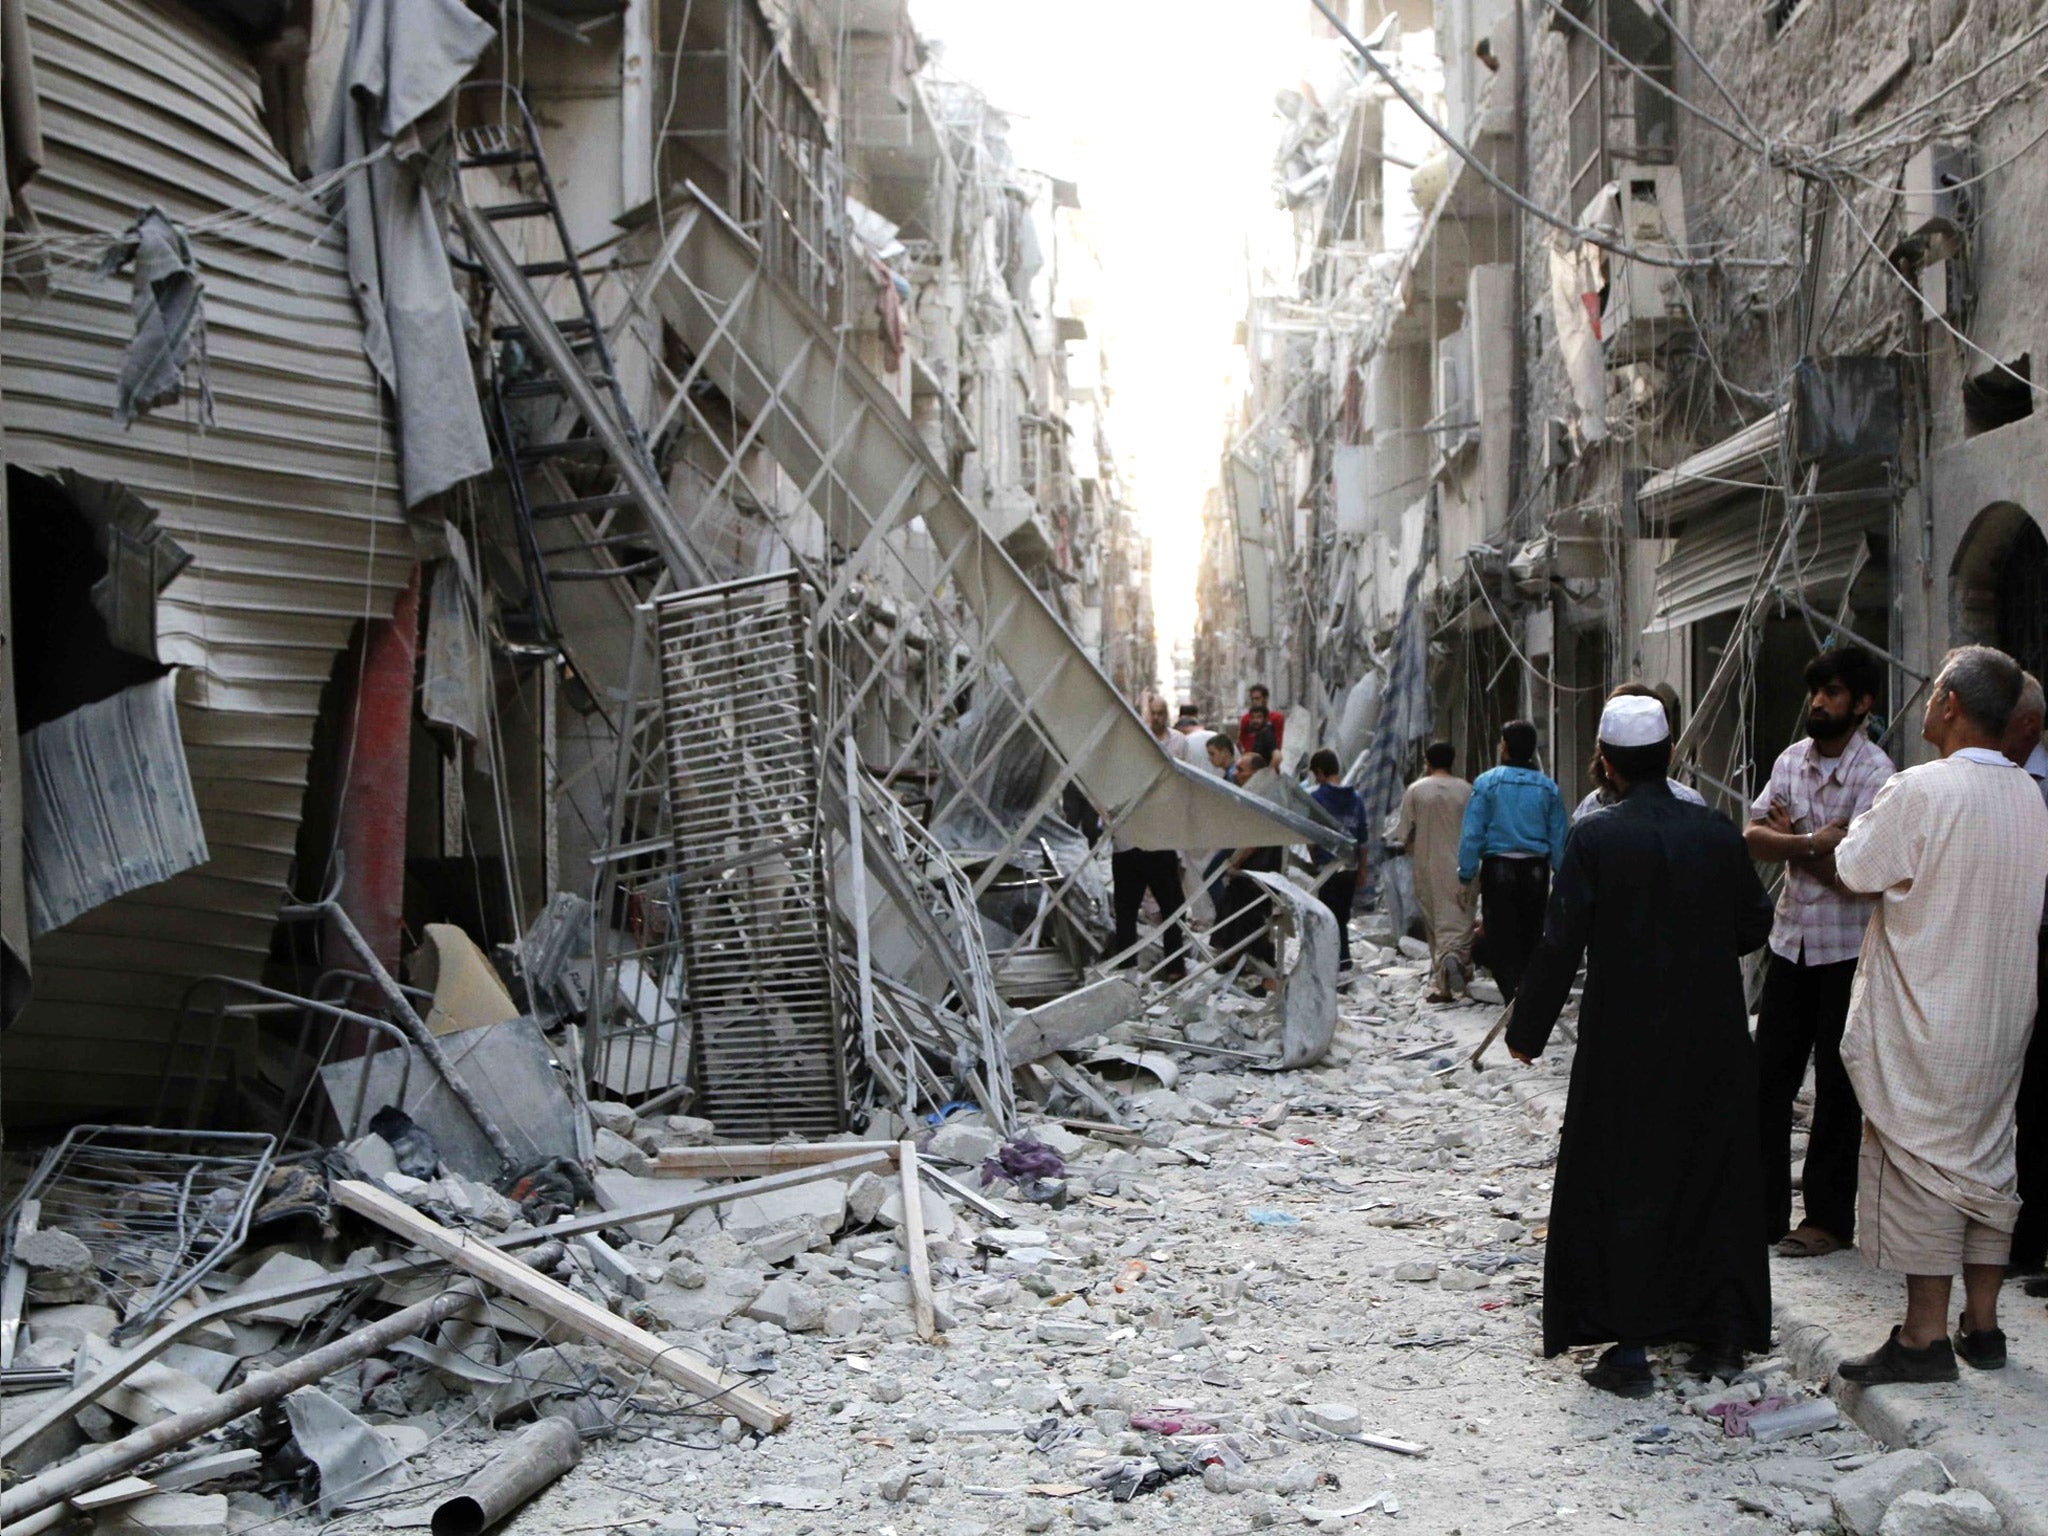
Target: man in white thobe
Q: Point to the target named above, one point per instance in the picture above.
(1940, 1017)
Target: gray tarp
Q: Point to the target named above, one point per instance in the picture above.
(108, 803)
(404, 58)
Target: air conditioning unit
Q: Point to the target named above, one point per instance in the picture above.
(1457, 409)
(1646, 303)
(1936, 198)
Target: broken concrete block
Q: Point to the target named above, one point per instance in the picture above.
(169, 1514)
(1212, 1090)
(617, 1118)
(864, 1197)
(894, 1484)
(617, 1152)
(842, 1320)
(964, 1140)
(153, 1392)
(1964, 1513)
(1336, 1418)
(776, 1248)
(689, 1131)
(724, 1293)
(1458, 1278)
(684, 1275)
(372, 1155)
(819, 1206)
(1862, 1497)
(1416, 1272)
(1067, 1021)
(71, 1324)
(940, 1224)
(618, 1190)
(789, 1304)
(285, 1269)
(60, 1267)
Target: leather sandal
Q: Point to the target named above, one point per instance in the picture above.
(1808, 1243)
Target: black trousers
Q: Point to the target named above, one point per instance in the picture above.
(2030, 1237)
(1512, 896)
(1800, 1016)
(1134, 872)
(1338, 892)
(1244, 912)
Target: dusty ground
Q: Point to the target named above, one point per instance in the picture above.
(1369, 1233)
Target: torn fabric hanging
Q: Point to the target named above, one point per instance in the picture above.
(455, 670)
(403, 61)
(169, 315)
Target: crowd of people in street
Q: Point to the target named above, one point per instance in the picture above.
(1903, 963)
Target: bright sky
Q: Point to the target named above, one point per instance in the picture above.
(1163, 113)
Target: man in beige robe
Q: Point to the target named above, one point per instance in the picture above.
(1432, 818)
(1940, 1016)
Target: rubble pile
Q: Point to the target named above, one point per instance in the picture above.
(1265, 1298)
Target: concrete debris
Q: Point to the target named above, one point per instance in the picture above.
(1862, 1497)
(59, 1265)
(169, 1514)
(1964, 1513)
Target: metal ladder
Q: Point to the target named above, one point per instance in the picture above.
(596, 471)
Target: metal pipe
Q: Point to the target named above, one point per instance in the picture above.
(429, 1046)
(510, 1478)
(260, 1389)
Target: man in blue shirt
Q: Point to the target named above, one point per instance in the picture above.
(1514, 835)
(1339, 887)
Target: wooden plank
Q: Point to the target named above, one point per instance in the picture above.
(121, 1491)
(508, 1274)
(921, 1310)
(743, 1161)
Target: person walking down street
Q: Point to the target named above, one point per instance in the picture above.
(1829, 776)
(1260, 729)
(1243, 908)
(1654, 1216)
(2030, 1113)
(1135, 872)
(1604, 794)
(1513, 837)
(1339, 887)
(1431, 821)
(1938, 1023)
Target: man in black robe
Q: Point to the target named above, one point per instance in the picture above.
(1655, 1226)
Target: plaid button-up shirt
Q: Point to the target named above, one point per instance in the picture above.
(1816, 923)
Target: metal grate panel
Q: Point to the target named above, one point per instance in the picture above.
(739, 728)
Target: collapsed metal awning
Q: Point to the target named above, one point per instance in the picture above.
(844, 440)
(1715, 564)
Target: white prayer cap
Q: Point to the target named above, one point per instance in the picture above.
(1633, 721)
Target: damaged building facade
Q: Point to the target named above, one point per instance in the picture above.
(372, 374)
(1700, 340)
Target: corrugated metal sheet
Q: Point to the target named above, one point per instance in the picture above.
(108, 803)
(1712, 567)
(288, 505)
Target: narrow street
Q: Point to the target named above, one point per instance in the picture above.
(1357, 1248)
(699, 700)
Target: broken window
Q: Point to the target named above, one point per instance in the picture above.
(1778, 14)
(1999, 396)
(1615, 114)
(87, 565)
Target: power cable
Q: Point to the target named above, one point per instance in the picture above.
(1479, 167)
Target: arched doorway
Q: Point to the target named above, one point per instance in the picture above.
(1999, 586)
